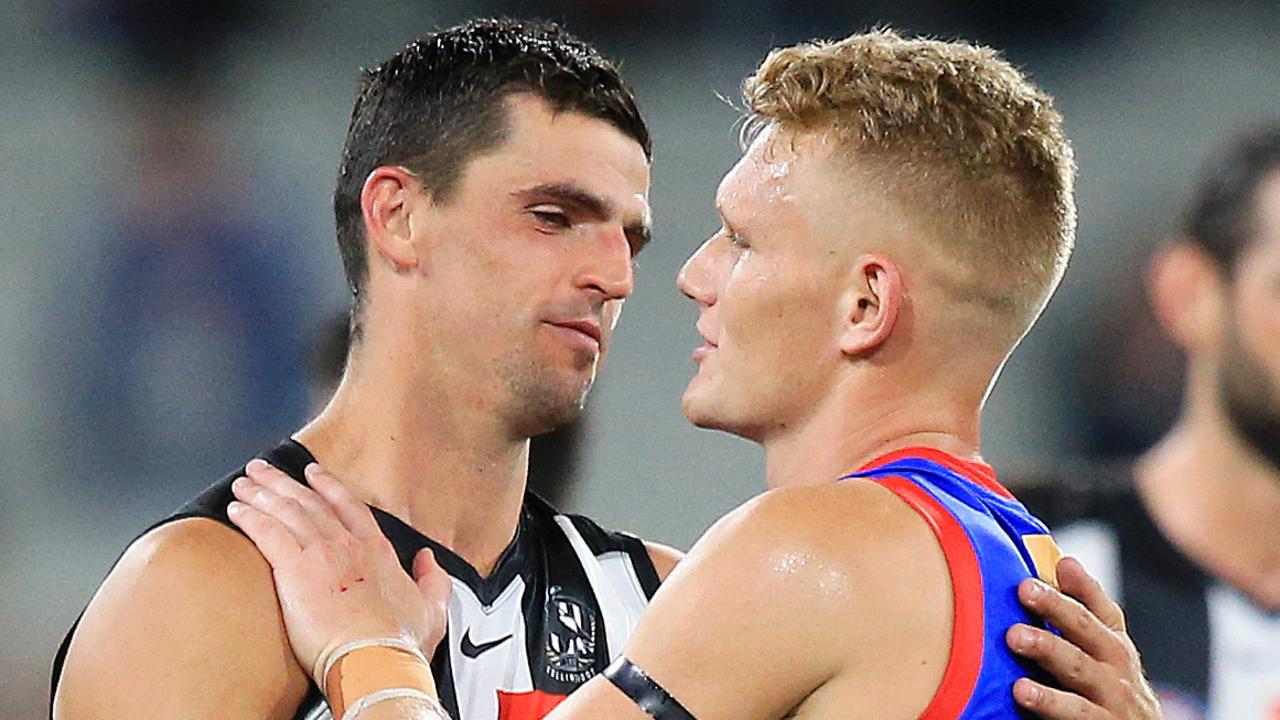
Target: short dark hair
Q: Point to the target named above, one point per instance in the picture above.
(440, 102)
(1223, 211)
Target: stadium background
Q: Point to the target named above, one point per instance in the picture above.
(168, 257)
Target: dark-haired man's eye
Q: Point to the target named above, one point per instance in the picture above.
(552, 219)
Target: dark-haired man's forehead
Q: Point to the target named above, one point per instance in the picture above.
(581, 157)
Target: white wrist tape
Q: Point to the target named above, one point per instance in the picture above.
(328, 659)
(434, 709)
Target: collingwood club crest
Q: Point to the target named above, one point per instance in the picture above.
(571, 638)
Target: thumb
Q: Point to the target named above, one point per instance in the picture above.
(431, 578)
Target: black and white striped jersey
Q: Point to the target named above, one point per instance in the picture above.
(1209, 651)
(557, 608)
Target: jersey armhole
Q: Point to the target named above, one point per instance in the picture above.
(601, 541)
(965, 658)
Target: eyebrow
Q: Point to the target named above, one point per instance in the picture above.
(598, 208)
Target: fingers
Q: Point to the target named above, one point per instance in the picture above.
(1079, 626)
(353, 513)
(1054, 704)
(274, 479)
(273, 539)
(1075, 670)
(286, 512)
(1076, 582)
(431, 578)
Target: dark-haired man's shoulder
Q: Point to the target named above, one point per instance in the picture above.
(186, 625)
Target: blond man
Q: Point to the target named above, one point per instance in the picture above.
(900, 218)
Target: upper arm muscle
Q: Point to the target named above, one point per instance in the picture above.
(806, 595)
(734, 632)
(187, 625)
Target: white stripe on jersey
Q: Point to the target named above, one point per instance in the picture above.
(620, 575)
(618, 622)
(1245, 655)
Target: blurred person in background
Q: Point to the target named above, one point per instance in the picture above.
(1187, 536)
(191, 297)
(188, 293)
(893, 230)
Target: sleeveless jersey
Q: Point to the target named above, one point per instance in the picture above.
(557, 608)
(991, 543)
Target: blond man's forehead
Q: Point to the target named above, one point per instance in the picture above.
(770, 175)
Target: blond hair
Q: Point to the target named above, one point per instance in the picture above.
(949, 128)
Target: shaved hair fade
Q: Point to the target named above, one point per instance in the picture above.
(955, 134)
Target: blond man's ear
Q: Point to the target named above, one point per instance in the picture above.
(871, 304)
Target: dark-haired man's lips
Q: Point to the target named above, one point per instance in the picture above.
(579, 331)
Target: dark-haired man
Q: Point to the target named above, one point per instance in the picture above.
(500, 170)
(1188, 536)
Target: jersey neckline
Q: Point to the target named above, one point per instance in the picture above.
(293, 457)
(977, 472)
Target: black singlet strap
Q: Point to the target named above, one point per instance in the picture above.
(644, 692)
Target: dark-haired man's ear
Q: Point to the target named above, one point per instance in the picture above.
(387, 201)
(1186, 290)
(870, 305)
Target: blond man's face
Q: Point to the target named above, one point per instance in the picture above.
(768, 285)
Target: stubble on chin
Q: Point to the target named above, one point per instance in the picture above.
(541, 399)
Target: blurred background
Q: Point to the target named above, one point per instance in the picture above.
(169, 274)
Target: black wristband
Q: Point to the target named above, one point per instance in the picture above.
(644, 692)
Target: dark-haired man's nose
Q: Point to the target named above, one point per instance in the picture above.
(607, 265)
(695, 278)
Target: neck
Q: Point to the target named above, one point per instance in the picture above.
(443, 464)
(1217, 500)
(849, 429)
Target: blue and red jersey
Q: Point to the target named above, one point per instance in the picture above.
(991, 543)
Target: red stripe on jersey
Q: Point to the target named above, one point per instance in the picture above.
(532, 705)
(961, 675)
(978, 473)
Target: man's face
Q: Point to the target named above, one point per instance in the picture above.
(533, 259)
(768, 285)
(1249, 370)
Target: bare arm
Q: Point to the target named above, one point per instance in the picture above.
(186, 626)
(766, 611)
